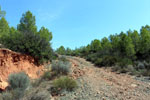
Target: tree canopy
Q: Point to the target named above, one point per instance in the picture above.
(4, 27)
(27, 23)
(26, 39)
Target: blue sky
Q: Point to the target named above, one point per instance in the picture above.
(75, 23)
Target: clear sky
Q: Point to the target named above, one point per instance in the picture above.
(75, 23)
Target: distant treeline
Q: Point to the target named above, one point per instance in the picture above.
(125, 51)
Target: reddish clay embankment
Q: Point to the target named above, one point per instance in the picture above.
(11, 62)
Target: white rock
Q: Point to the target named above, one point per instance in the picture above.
(133, 85)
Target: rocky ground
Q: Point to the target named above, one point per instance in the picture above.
(103, 84)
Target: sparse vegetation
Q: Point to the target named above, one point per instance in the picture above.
(63, 83)
(63, 58)
(37, 94)
(6, 96)
(47, 75)
(61, 67)
(18, 84)
(40, 96)
(18, 81)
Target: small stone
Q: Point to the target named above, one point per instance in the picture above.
(103, 98)
(134, 85)
(98, 92)
(95, 95)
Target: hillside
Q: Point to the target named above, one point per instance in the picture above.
(93, 83)
(103, 84)
(12, 62)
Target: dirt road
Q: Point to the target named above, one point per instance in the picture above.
(102, 84)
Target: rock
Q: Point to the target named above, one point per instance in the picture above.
(3, 85)
(103, 98)
(98, 92)
(133, 85)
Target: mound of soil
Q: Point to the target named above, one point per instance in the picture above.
(12, 62)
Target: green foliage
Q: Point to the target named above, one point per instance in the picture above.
(119, 49)
(2, 46)
(115, 42)
(124, 62)
(92, 57)
(106, 61)
(2, 13)
(6, 96)
(95, 45)
(68, 51)
(106, 47)
(63, 58)
(145, 43)
(61, 50)
(135, 40)
(29, 43)
(4, 27)
(18, 81)
(44, 33)
(12, 30)
(27, 23)
(39, 95)
(61, 67)
(126, 69)
(127, 48)
(47, 75)
(17, 93)
(63, 84)
(106, 44)
(26, 39)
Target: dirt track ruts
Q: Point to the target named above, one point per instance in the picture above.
(102, 84)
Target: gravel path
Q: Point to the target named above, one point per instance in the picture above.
(102, 84)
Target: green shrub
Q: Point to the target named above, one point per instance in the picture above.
(144, 72)
(29, 43)
(92, 57)
(126, 69)
(125, 62)
(2, 46)
(17, 93)
(18, 81)
(47, 75)
(61, 67)
(6, 96)
(37, 94)
(116, 68)
(98, 62)
(40, 96)
(106, 61)
(63, 58)
(63, 84)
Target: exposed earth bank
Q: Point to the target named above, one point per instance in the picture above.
(12, 62)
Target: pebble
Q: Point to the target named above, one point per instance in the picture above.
(134, 85)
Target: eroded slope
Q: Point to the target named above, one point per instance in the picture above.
(11, 62)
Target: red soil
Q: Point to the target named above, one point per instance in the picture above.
(12, 62)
